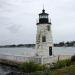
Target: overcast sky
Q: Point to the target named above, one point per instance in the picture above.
(18, 20)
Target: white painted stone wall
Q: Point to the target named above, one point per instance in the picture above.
(37, 59)
(43, 47)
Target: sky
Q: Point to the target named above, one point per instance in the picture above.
(18, 20)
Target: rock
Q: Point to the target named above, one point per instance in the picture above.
(17, 73)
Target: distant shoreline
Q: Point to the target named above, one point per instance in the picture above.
(34, 47)
(60, 44)
(18, 46)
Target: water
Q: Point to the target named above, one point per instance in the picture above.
(64, 50)
(31, 51)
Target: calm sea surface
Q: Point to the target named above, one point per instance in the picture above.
(31, 51)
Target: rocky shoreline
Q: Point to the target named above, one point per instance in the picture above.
(18, 73)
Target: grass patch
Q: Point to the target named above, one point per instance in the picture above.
(29, 67)
(60, 64)
(64, 71)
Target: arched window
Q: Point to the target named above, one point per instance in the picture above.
(43, 38)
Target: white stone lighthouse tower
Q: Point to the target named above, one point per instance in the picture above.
(44, 35)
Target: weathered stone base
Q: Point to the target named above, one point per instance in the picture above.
(9, 59)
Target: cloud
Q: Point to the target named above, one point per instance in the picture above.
(14, 28)
(17, 19)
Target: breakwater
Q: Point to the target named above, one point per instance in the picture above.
(17, 59)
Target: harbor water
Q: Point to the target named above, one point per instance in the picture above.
(31, 51)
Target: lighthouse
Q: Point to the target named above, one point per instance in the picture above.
(44, 41)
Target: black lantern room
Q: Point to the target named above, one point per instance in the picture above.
(43, 18)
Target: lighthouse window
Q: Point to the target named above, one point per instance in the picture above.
(50, 51)
(48, 27)
(40, 16)
(44, 39)
(43, 16)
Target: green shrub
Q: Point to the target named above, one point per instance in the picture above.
(68, 62)
(29, 67)
(61, 63)
(73, 58)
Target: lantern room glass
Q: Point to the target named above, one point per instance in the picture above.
(43, 16)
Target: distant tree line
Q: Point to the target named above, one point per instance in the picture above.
(60, 44)
(66, 44)
(19, 45)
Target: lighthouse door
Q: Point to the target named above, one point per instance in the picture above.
(50, 51)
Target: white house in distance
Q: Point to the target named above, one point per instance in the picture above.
(44, 41)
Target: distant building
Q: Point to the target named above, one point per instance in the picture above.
(44, 35)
